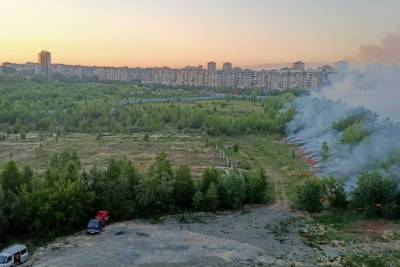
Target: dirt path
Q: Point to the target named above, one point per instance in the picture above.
(281, 200)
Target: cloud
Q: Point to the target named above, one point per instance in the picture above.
(386, 52)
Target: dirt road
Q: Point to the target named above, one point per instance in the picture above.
(251, 237)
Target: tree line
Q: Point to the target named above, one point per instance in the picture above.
(374, 195)
(64, 197)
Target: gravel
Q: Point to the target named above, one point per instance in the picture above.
(251, 237)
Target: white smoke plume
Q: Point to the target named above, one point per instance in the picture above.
(372, 96)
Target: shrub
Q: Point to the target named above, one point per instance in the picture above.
(235, 147)
(309, 195)
(234, 190)
(198, 201)
(375, 195)
(354, 134)
(335, 193)
(210, 175)
(183, 187)
(257, 187)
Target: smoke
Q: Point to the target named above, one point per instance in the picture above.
(387, 52)
(357, 116)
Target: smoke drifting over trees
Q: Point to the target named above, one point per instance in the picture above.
(357, 116)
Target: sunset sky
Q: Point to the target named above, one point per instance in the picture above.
(191, 32)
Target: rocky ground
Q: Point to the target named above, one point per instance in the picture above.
(261, 236)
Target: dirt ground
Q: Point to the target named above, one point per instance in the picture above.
(251, 237)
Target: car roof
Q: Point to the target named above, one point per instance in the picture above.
(5, 254)
(13, 248)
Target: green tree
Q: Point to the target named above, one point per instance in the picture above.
(335, 193)
(156, 188)
(183, 187)
(210, 175)
(2, 219)
(10, 178)
(234, 190)
(375, 195)
(199, 201)
(309, 195)
(257, 187)
(211, 198)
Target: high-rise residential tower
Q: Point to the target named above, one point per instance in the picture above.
(44, 62)
(211, 71)
(227, 66)
(298, 65)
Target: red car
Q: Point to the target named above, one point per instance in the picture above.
(102, 216)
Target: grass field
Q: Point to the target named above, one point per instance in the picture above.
(285, 170)
(188, 150)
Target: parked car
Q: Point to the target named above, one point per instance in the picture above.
(13, 255)
(95, 226)
(102, 216)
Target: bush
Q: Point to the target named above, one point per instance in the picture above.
(375, 195)
(334, 192)
(198, 201)
(234, 190)
(235, 147)
(183, 187)
(354, 134)
(309, 195)
(257, 187)
(210, 175)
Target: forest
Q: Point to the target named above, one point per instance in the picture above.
(65, 196)
(61, 107)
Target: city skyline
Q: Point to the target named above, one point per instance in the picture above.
(179, 33)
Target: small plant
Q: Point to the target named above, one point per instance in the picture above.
(146, 138)
(310, 195)
(335, 193)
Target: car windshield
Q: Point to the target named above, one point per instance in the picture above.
(93, 224)
(3, 259)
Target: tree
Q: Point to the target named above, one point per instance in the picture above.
(156, 188)
(309, 195)
(324, 152)
(2, 219)
(210, 175)
(10, 178)
(375, 195)
(257, 187)
(183, 187)
(212, 198)
(234, 189)
(335, 193)
(198, 201)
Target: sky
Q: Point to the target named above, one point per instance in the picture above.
(177, 33)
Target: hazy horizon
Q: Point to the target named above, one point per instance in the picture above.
(177, 33)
